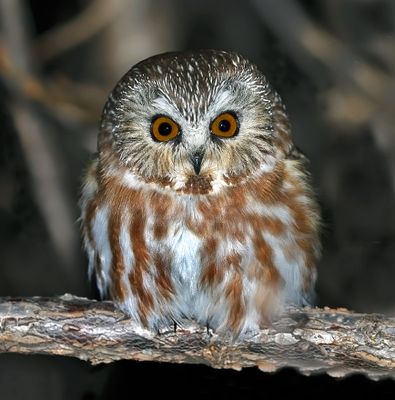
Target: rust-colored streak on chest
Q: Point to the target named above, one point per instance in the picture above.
(161, 207)
(125, 202)
(117, 290)
(228, 217)
(264, 269)
(222, 214)
(142, 260)
(162, 277)
(267, 188)
(118, 199)
(223, 221)
(266, 191)
(212, 272)
(234, 294)
(90, 213)
(274, 226)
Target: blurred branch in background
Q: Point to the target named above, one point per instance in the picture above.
(361, 92)
(125, 40)
(94, 18)
(110, 36)
(124, 32)
(71, 103)
(40, 155)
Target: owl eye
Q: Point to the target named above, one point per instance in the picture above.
(164, 129)
(226, 125)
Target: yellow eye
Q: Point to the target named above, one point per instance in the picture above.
(164, 129)
(226, 125)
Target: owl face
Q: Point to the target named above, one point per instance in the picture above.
(189, 121)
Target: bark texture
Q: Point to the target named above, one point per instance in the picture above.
(336, 341)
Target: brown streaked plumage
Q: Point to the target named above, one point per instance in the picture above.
(197, 204)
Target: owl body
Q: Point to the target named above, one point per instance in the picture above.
(197, 205)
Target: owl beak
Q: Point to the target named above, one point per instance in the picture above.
(197, 161)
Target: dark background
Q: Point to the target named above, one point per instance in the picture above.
(333, 62)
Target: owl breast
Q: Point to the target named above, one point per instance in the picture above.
(227, 257)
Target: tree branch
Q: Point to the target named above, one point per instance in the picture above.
(338, 341)
(96, 16)
(17, 75)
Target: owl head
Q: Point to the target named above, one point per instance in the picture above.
(192, 121)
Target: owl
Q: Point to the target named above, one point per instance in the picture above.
(197, 205)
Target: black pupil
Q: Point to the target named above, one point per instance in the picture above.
(224, 125)
(165, 129)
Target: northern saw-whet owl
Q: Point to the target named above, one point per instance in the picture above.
(197, 204)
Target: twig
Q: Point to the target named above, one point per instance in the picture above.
(303, 37)
(45, 177)
(96, 16)
(363, 92)
(32, 133)
(13, 20)
(338, 342)
(69, 102)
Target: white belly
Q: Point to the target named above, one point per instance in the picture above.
(185, 267)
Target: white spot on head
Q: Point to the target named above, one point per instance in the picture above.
(223, 98)
(164, 106)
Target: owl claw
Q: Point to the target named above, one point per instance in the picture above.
(209, 330)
